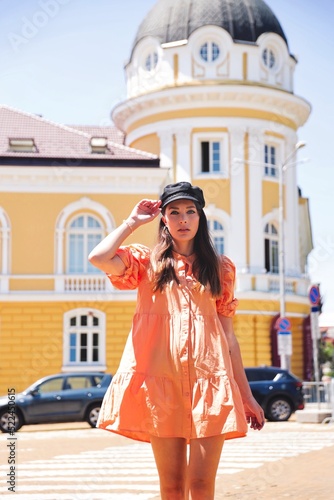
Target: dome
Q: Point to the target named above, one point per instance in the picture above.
(174, 20)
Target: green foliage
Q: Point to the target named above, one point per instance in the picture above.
(326, 355)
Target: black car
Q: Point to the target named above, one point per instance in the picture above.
(65, 397)
(279, 392)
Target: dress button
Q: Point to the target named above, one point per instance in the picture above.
(187, 394)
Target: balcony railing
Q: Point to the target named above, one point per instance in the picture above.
(98, 282)
(60, 283)
(269, 283)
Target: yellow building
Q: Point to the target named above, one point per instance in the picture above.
(211, 101)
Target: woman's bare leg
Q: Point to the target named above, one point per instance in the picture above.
(171, 459)
(204, 458)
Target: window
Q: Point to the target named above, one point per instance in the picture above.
(22, 145)
(209, 51)
(270, 161)
(53, 385)
(217, 234)
(84, 233)
(211, 156)
(268, 57)
(99, 145)
(151, 61)
(271, 249)
(84, 338)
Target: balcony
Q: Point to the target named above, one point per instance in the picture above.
(55, 283)
(269, 283)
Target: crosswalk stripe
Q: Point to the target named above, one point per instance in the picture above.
(130, 470)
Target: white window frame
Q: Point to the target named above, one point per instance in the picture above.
(273, 239)
(210, 51)
(217, 233)
(85, 231)
(5, 238)
(269, 167)
(89, 329)
(210, 137)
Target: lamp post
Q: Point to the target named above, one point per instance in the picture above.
(285, 358)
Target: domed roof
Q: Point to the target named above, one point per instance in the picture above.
(244, 20)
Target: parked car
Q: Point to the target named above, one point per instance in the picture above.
(64, 397)
(279, 392)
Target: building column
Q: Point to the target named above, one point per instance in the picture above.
(183, 145)
(291, 217)
(238, 237)
(166, 149)
(256, 231)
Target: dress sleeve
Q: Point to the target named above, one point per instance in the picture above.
(226, 304)
(136, 259)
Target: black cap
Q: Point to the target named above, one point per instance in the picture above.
(182, 190)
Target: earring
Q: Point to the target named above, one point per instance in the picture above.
(166, 229)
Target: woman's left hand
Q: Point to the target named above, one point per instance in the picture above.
(254, 413)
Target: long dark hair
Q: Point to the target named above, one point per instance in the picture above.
(206, 265)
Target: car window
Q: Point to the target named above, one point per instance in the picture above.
(78, 382)
(260, 375)
(97, 380)
(52, 385)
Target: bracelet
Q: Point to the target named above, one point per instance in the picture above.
(127, 223)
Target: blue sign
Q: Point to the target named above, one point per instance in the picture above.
(284, 332)
(283, 324)
(314, 295)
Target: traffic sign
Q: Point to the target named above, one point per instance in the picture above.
(314, 295)
(284, 343)
(283, 324)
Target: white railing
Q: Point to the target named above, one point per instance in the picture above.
(62, 283)
(319, 395)
(270, 283)
(84, 283)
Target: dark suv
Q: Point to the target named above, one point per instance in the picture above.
(64, 397)
(278, 391)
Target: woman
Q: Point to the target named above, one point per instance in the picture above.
(181, 379)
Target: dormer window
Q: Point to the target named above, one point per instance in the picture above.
(99, 145)
(268, 57)
(22, 146)
(151, 61)
(209, 51)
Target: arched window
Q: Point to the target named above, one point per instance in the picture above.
(271, 249)
(84, 339)
(83, 234)
(217, 234)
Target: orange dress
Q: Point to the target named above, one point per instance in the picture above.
(175, 377)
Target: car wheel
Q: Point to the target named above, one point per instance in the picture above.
(93, 414)
(279, 410)
(6, 421)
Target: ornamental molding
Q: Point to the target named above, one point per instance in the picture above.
(260, 98)
(85, 180)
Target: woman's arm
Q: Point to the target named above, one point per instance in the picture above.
(103, 256)
(254, 412)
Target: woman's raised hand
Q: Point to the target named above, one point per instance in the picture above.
(145, 211)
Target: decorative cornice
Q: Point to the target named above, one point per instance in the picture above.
(280, 103)
(86, 181)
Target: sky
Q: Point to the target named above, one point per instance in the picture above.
(64, 60)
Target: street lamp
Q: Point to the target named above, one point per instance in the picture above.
(285, 358)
